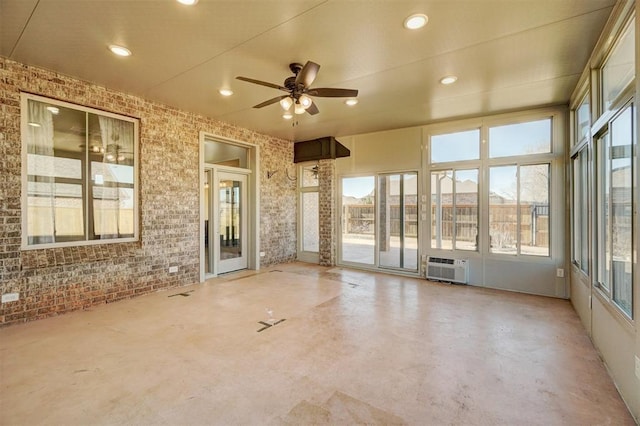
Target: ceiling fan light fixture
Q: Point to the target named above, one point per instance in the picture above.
(119, 50)
(351, 102)
(188, 2)
(416, 21)
(287, 115)
(299, 109)
(450, 79)
(286, 103)
(305, 101)
(225, 92)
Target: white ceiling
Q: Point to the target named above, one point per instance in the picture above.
(507, 54)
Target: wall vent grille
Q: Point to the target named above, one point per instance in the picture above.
(449, 270)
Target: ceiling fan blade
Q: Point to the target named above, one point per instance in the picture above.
(307, 74)
(262, 83)
(313, 109)
(271, 101)
(328, 92)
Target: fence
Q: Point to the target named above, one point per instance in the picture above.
(534, 222)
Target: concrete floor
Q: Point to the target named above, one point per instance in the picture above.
(356, 347)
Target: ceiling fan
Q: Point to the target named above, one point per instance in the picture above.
(298, 91)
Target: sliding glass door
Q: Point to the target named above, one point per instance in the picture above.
(379, 225)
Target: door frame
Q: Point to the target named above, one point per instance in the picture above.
(253, 199)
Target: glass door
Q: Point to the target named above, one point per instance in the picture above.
(231, 238)
(398, 221)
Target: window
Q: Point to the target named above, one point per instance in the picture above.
(583, 122)
(458, 146)
(619, 68)
(614, 208)
(309, 208)
(454, 209)
(580, 209)
(532, 137)
(79, 174)
(519, 209)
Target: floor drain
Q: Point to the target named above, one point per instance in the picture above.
(184, 294)
(267, 325)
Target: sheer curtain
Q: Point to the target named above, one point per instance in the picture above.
(41, 170)
(117, 142)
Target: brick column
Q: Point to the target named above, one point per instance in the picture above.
(328, 213)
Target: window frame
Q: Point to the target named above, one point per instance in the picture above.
(86, 175)
(606, 290)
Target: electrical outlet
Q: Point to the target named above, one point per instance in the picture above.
(637, 367)
(10, 297)
(262, 254)
(173, 269)
(560, 273)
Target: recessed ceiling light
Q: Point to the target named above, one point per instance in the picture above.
(416, 21)
(351, 102)
(119, 50)
(226, 92)
(450, 79)
(188, 2)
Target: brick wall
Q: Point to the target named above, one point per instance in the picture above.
(53, 281)
(327, 201)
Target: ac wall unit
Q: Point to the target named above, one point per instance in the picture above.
(449, 270)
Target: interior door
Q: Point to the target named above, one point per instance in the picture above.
(231, 208)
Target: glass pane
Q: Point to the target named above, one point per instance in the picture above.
(358, 220)
(584, 211)
(226, 154)
(621, 209)
(112, 175)
(389, 220)
(583, 123)
(533, 137)
(55, 153)
(398, 221)
(603, 170)
(503, 205)
(410, 255)
(576, 217)
(309, 175)
(466, 209)
(208, 264)
(230, 231)
(310, 222)
(534, 210)
(619, 69)
(442, 209)
(456, 146)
